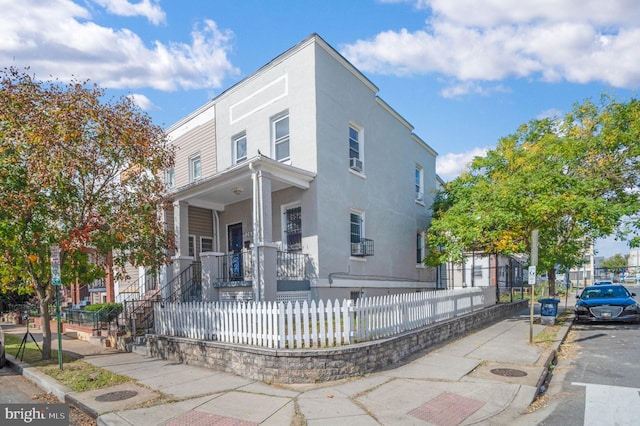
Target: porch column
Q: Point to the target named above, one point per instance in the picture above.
(181, 260)
(211, 265)
(181, 227)
(264, 250)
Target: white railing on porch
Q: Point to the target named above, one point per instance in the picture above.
(313, 325)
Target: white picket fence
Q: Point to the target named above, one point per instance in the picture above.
(314, 325)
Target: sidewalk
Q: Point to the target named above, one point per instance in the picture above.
(488, 377)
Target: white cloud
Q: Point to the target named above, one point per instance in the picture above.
(450, 165)
(57, 39)
(150, 9)
(473, 88)
(578, 41)
(142, 101)
(550, 113)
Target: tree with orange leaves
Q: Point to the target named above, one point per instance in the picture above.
(63, 152)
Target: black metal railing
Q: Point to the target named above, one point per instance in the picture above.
(362, 248)
(144, 284)
(292, 266)
(235, 267)
(186, 287)
(96, 319)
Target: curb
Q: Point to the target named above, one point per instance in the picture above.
(547, 372)
(48, 384)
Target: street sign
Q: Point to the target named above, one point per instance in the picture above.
(55, 274)
(55, 264)
(532, 275)
(55, 254)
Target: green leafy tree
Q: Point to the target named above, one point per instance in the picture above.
(81, 172)
(572, 179)
(615, 263)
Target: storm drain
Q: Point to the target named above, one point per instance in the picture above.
(116, 396)
(508, 372)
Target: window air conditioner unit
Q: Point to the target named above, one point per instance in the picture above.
(355, 164)
(357, 249)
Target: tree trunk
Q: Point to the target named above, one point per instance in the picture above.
(551, 274)
(45, 301)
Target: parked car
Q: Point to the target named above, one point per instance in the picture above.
(607, 303)
(603, 282)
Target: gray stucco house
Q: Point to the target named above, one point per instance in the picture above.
(299, 182)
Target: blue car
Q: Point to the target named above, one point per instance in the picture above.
(607, 303)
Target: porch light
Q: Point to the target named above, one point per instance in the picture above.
(237, 190)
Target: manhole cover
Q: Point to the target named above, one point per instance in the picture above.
(116, 396)
(509, 372)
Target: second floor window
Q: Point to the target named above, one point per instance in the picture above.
(355, 149)
(280, 133)
(419, 184)
(240, 148)
(169, 178)
(195, 168)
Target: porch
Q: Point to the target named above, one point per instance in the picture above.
(228, 226)
(230, 277)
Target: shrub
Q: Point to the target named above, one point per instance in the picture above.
(106, 311)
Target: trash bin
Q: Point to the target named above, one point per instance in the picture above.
(548, 311)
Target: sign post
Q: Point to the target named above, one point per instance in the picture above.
(55, 281)
(532, 279)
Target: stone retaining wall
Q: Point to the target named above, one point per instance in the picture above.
(317, 365)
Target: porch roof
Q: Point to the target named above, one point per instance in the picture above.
(235, 183)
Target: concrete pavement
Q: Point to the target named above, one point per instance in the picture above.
(488, 377)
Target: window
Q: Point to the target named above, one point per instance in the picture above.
(206, 244)
(240, 148)
(192, 245)
(477, 271)
(195, 168)
(280, 131)
(419, 177)
(355, 149)
(355, 295)
(357, 225)
(360, 246)
(169, 178)
(419, 248)
(293, 228)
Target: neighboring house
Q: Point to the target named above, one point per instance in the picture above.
(99, 291)
(486, 270)
(299, 182)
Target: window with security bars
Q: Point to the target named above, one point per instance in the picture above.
(293, 228)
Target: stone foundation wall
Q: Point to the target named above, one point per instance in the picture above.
(317, 365)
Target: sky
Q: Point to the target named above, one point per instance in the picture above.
(464, 73)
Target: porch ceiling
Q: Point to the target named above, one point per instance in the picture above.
(235, 184)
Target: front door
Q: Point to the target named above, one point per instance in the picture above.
(234, 234)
